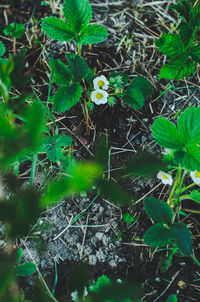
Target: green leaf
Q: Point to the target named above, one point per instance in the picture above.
(66, 97)
(178, 68)
(158, 235)
(186, 33)
(195, 196)
(188, 125)
(165, 134)
(143, 85)
(158, 210)
(92, 34)
(182, 237)
(189, 159)
(78, 67)
(182, 9)
(61, 73)
(19, 80)
(25, 269)
(133, 97)
(35, 121)
(77, 13)
(2, 49)
(101, 282)
(53, 144)
(6, 67)
(172, 298)
(195, 53)
(170, 45)
(14, 30)
(57, 29)
(128, 218)
(18, 255)
(82, 177)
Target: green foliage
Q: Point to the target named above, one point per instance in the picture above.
(128, 218)
(77, 14)
(164, 231)
(135, 93)
(2, 49)
(183, 140)
(53, 146)
(195, 196)
(118, 79)
(18, 140)
(181, 47)
(182, 237)
(82, 177)
(158, 210)
(25, 269)
(70, 92)
(172, 298)
(14, 30)
(158, 235)
(6, 67)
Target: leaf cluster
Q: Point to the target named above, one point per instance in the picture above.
(183, 47)
(69, 78)
(183, 140)
(77, 14)
(135, 92)
(164, 231)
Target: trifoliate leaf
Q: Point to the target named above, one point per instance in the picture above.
(158, 235)
(57, 29)
(14, 30)
(77, 13)
(2, 49)
(53, 144)
(195, 196)
(25, 269)
(78, 67)
(166, 134)
(158, 210)
(133, 97)
(188, 125)
(182, 237)
(92, 34)
(170, 45)
(66, 97)
(178, 68)
(188, 159)
(61, 73)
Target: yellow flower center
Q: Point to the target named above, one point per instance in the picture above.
(197, 174)
(165, 176)
(99, 95)
(101, 83)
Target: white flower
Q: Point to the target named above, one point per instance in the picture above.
(99, 96)
(165, 178)
(195, 175)
(101, 83)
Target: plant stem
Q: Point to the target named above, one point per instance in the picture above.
(79, 50)
(177, 179)
(33, 168)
